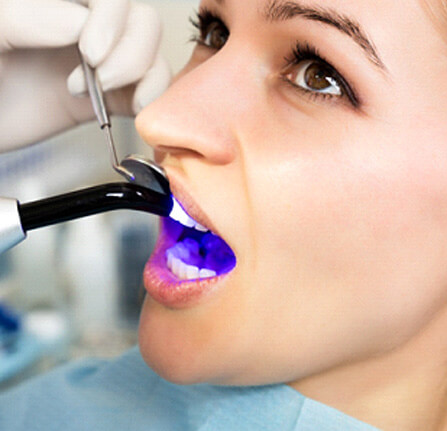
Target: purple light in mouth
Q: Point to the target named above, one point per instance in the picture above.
(217, 254)
(204, 250)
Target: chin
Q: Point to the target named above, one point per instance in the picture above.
(173, 347)
(170, 368)
(198, 345)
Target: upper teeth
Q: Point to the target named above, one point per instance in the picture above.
(179, 214)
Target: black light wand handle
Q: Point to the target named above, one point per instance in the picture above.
(90, 201)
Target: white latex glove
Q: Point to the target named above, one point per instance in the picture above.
(39, 72)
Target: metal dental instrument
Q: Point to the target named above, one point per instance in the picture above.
(135, 168)
(99, 107)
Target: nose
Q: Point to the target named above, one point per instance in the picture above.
(196, 116)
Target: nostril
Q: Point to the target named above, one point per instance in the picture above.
(177, 151)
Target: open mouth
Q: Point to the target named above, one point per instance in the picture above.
(197, 252)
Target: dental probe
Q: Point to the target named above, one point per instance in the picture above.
(17, 219)
(135, 168)
(99, 107)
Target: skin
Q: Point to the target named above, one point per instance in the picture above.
(337, 215)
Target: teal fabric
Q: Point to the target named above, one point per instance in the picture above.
(124, 394)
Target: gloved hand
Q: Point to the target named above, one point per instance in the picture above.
(39, 63)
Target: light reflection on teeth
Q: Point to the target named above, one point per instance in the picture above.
(198, 226)
(179, 214)
(205, 273)
(192, 272)
(184, 271)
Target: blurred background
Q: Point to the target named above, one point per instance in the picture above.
(75, 289)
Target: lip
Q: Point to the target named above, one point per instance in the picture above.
(163, 286)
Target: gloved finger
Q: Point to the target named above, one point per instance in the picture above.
(76, 82)
(40, 23)
(105, 26)
(136, 50)
(154, 83)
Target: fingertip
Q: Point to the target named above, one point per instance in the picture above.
(76, 83)
(152, 86)
(105, 26)
(137, 106)
(107, 81)
(135, 53)
(93, 52)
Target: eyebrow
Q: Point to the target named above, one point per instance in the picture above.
(284, 10)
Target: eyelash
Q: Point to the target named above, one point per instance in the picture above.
(201, 22)
(204, 18)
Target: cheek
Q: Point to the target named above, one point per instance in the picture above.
(356, 231)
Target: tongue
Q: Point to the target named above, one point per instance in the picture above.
(211, 253)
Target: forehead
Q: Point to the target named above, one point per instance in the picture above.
(386, 22)
(362, 9)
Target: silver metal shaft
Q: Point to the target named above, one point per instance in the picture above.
(95, 91)
(100, 109)
(111, 144)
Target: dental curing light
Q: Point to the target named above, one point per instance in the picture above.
(17, 219)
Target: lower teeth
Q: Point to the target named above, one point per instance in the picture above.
(187, 272)
(212, 252)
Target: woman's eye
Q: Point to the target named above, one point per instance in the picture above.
(215, 36)
(213, 33)
(317, 77)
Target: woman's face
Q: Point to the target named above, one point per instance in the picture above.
(313, 136)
